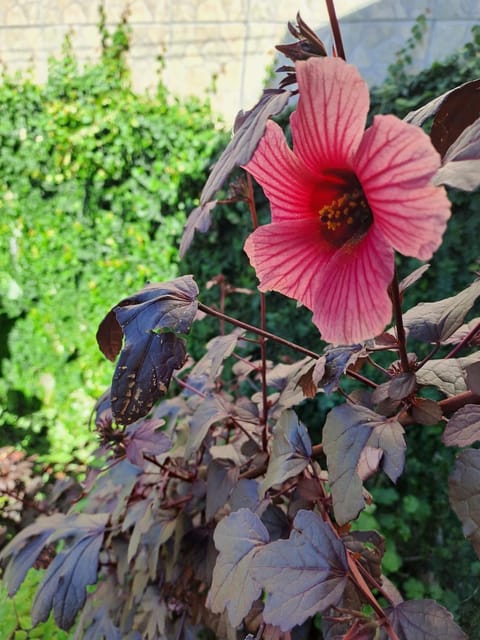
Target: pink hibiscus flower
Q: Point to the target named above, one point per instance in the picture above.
(342, 201)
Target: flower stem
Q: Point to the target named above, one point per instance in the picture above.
(260, 332)
(337, 36)
(397, 311)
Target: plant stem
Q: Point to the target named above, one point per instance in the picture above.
(260, 332)
(397, 311)
(337, 36)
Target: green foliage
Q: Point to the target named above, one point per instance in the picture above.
(96, 182)
(15, 620)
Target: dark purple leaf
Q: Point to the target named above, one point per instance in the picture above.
(245, 495)
(238, 538)
(152, 530)
(463, 428)
(448, 375)
(337, 360)
(413, 277)
(303, 575)
(451, 101)
(212, 409)
(426, 411)
(209, 367)
(198, 220)
(63, 587)
(464, 494)
(308, 45)
(436, 321)
(422, 620)
(149, 321)
(290, 452)
(222, 476)
(249, 129)
(25, 548)
(144, 438)
(346, 432)
(102, 627)
(103, 411)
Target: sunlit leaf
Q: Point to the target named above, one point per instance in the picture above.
(238, 538)
(463, 428)
(291, 450)
(212, 409)
(413, 277)
(448, 375)
(464, 494)
(422, 620)
(436, 321)
(303, 575)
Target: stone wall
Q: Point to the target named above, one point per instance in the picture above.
(225, 46)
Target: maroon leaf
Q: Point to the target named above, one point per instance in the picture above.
(198, 220)
(238, 538)
(461, 164)
(290, 453)
(464, 494)
(345, 434)
(436, 321)
(459, 109)
(402, 385)
(454, 116)
(388, 436)
(370, 548)
(303, 575)
(249, 128)
(151, 352)
(143, 438)
(463, 428)
(473, 377)
(422, 620)
(426, 411)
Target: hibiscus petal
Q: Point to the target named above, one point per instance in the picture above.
(395, 163)
(332, 109)
(286, 181)
(287, 258)
(351, 300)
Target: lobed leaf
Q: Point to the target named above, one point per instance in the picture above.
(238, 538)
(345, 434)
(303, 575)
(422, 620)
(212, 409)
(63, 587)
(463, 428)
(437, 321)
(25, 548)
(337, 361)
(222, 477)
(249, 128)
(291, 450)
(464, 494)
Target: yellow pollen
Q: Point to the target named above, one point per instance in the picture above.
(346, 219)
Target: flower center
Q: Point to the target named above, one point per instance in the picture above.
(346, 219)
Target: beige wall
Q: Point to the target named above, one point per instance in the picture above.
(226, 44)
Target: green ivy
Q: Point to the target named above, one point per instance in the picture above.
(96, 184)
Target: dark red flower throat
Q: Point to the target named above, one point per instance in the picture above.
(347, 218)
